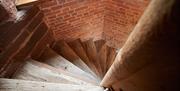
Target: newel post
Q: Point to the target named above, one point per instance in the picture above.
(154, 39)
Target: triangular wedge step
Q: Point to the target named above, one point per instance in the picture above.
(77, 46)
(91, 51)
(62, 48)
(22, 85)
(50, 57)
(36, 71)
(101, 48)
(111, 57)
(99, 44)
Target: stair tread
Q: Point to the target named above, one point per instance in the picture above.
(36, 71)
(111, 57)
(22, 85)
(50, 57)
(62, 48)
(101, 48)
(77, 46)
(99, 44)
(91, 51)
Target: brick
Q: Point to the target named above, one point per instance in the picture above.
(116, 17)
(120, 18)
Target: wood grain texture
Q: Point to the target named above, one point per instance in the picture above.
(21, 85)
(52, 58)
(62, 48)
(36, 71)
(111, 57)
(92, 53)
(102, 54)
(77, 46)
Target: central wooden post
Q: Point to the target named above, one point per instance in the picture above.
(154, 43)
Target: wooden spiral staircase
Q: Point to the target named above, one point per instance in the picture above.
(148, 61)
(67, 66)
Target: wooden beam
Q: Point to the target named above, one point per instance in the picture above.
(25, 3)
(111, 52)
(102, 54)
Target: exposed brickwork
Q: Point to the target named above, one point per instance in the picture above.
(70, 19)
(8, 10)
(120, 18)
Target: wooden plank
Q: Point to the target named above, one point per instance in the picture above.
(99, 44)
(22, 85)
(77, 46)
(52, 58)
(47, 39)
(21, 4)
(111, 57)
(91, 51)
(36, 71)
(102, 54)
(64, 50)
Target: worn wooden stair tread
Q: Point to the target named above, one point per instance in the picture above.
(99, 44)
(101, 48)
(62, 48)
(52, 58)
(78, 48)
(36, 71)
(92, 53)
(111, 52)
(22, 85)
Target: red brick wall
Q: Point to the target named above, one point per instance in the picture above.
(70, 19)
(120, 18)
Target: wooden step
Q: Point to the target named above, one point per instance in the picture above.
(91, 51)
(36, 71)
(111, 57)
(101, 48)
(22, 85)
(77, 46)
(62, 48)
(99, 44)
(50, 57)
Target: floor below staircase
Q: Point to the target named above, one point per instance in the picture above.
(67, 66)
